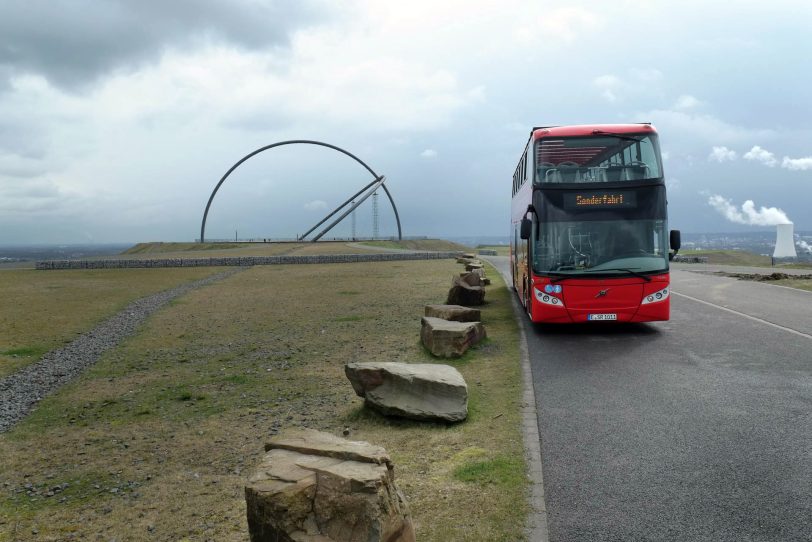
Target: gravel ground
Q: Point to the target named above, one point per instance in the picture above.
(21, 391)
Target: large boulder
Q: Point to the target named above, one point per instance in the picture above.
(420, 391)
(475, 278)
(472, 279)
(315, 487)
(474, 265)
(462, 293)
(457, 313)
(447, 339)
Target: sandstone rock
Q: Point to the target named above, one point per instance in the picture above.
(462, 293)
(309, 441)
(475, 278)
(469, 255)
(457, 313)
(314, 487)
(472, 278)
(474, 265)
(449, 339)
(420, 391)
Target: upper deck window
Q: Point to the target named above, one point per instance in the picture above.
(599, 158)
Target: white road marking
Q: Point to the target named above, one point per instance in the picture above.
(796, 332)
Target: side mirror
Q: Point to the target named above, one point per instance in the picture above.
(525, 228)
(674, 240)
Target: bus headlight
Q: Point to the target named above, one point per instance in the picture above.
(656, 297)
(548, 299)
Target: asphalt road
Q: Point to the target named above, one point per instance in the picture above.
(696, 429)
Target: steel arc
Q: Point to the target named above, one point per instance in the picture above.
(295, 142)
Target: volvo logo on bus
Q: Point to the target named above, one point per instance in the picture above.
(602, 293)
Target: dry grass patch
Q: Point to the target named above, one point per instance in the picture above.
(729, 257)
(155, 441)
(801, 284)
(41, 310)
(236, 250)
(419, 244)
(163, 248)
(154, 251)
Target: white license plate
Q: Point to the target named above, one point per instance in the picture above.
(601, 316)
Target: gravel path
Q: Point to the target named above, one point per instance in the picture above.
(20, 391)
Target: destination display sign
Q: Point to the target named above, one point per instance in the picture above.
(600, 199)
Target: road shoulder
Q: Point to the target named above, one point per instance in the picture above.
(537, 521)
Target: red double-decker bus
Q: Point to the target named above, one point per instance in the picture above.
(590, 237)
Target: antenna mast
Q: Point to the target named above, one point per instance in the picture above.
(375, 215)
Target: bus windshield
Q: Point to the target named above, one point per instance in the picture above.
(605, 157)
(601, 247)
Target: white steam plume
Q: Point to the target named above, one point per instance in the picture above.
(803, 245)
(765, 216)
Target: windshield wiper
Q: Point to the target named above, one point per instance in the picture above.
(619, 136)
(557, 276)
(635, 273)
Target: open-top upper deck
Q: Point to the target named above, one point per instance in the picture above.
(595, 153)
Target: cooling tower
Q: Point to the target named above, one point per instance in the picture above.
(784, 242)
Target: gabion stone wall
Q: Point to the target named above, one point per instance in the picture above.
(242, 261)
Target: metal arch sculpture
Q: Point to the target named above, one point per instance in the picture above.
(379, 181)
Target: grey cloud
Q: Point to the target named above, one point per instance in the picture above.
(74, 42)
(20, 139)
(22, 150)
(32, 196)
(259, 121)
(13, 167)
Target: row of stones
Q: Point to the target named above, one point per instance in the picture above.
(428, 391)
(313, 486)
(241, 261)
(449, 330)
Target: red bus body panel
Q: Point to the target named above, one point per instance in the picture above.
(580, 297)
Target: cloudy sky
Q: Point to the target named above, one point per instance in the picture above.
(118, 117)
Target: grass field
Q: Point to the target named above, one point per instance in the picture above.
(729, 257)
(41, 310)
(418, 244)
(213, 250)
(801, 284)
(739, 257)
(156, 440)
